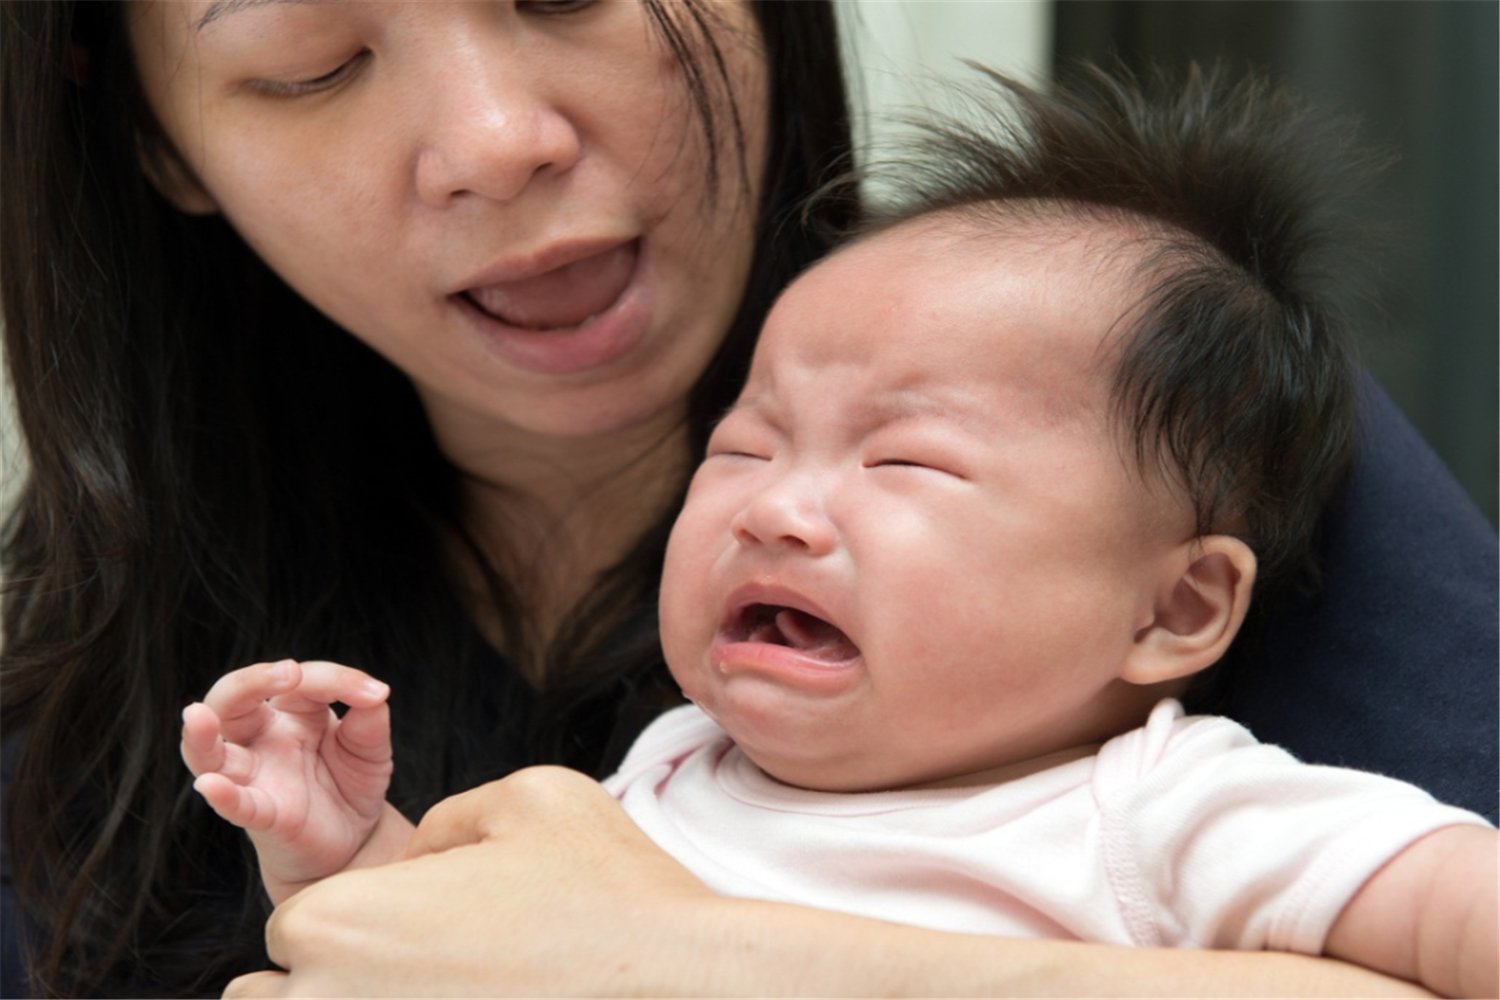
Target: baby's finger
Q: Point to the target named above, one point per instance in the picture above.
(206, 749)
(245, 807)
(324, 682)
(366, 733)
(242, 692)
(202, 739)
(273, 983)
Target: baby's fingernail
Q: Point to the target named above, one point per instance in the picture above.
(281, 671)
(375, 688)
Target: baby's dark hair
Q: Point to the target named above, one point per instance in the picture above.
(1235, 374)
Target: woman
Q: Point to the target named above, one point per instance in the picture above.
(260, 480)
(552, 229)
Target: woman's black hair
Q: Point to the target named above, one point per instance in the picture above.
(219, 475)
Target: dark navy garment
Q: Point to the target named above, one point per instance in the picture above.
(1393, 669)
(12, 980)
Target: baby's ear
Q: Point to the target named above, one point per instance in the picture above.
(173, 179)
(1197, 614)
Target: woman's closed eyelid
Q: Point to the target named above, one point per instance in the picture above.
(555, 6)
(313, 85)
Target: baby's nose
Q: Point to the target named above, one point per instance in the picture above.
(788, 513)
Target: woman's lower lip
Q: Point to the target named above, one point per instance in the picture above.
(784, 666)
(595, 343)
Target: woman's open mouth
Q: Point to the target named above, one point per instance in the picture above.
(577, 317)
(563, 298)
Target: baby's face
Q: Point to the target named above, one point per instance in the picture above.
(915, 551)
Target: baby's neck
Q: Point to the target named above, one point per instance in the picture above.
(1015, 770)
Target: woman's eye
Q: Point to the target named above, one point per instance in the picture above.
(554, 6)
(313, 85)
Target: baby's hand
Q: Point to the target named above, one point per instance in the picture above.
(271, 756)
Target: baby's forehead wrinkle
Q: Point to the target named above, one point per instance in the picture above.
(909, 396)
(921, 400)
(916, 398)
(760, 404)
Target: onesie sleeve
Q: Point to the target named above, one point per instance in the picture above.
(1213, 840)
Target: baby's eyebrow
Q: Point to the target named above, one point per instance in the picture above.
(220, 8)
(902, 404)
(752, 405)
(882, 408)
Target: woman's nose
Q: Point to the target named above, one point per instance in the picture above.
(789, 513)
(490, 130)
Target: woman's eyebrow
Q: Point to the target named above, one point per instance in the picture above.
(219, 8)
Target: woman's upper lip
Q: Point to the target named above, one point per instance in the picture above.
(544, 259)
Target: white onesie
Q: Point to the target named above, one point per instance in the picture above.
(1183, 833)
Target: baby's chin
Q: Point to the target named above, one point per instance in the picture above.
(807, 752)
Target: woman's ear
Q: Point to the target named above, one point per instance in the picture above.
(1197, 613)
(173, 179)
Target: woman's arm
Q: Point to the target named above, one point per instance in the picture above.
(541, 884)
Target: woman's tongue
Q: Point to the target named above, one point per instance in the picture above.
(563, 297)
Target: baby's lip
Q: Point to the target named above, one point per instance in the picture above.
(776, 615)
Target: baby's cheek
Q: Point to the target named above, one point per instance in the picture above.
(685, 620)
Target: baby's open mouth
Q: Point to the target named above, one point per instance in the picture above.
(563, 298)
(779, 625)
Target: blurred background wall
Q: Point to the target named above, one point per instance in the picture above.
(1420, 75)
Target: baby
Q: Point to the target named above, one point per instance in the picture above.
(1001, 482)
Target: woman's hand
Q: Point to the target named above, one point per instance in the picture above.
(540, 884)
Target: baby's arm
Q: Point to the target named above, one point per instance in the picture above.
(308, 787)
(1430, 915)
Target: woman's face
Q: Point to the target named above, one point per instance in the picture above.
(509, 200)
